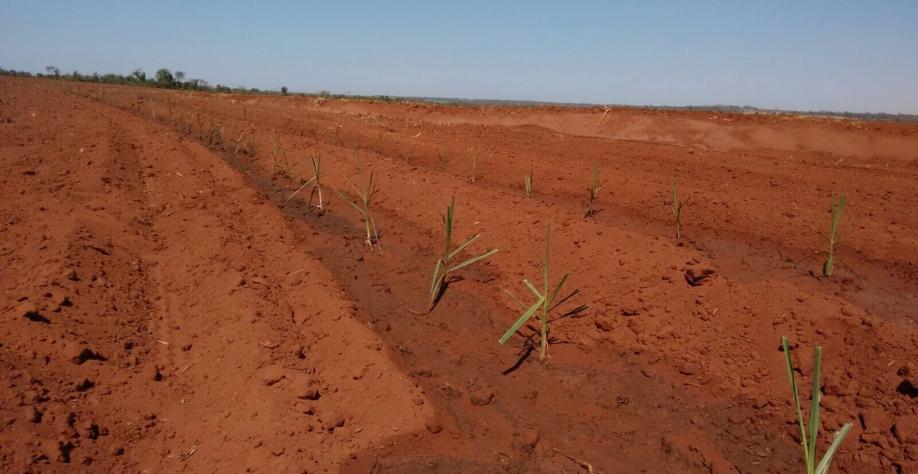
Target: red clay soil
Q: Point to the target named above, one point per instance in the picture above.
(166, 307)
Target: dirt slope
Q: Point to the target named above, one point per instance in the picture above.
(162, 315)
(207, 310)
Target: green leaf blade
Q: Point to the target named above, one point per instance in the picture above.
(520, 321)
(472, 260)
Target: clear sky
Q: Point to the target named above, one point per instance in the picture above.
(806, 55)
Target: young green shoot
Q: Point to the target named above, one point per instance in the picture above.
(594, 193)
(547, 300)
(364, 195)
(838, 205)
(316, 182)
(527, 183)
(676, 206)
(444, 265)
(810, 431)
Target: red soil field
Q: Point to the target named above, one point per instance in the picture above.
(166, 308)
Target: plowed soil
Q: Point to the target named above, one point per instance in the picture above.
(166, 307)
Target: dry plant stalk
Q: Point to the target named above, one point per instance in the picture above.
(676, 207)
(276, 154)
(238, 140)
(362, 203)
(594, 193)
(216, 133)
(316, 181)
(527, 183)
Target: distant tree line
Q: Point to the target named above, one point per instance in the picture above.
(163, 78)
(166, 79)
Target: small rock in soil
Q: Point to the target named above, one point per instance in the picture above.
(59, 300)
(305, 387)
(875, 420)
(482, 397)
(154, 372)
(90, 430)
(433, 425)
(631, 309)
(906, 429)
(450, 391)
(59, 450)
(33, 414)
(272, 374)
(688, 368)
(78, 354)
(84, 385)
(30, 311)
(906, 387)
(912, 452)
(334, 420)
(530, 438)
(696, 276)
(604, 324)
(184, 343)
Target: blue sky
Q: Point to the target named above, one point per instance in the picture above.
(839, 55)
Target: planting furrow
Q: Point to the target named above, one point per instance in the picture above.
(686, 328)
(472, 383)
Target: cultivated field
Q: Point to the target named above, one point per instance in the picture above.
(169, 303)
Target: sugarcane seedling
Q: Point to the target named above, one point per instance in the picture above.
(838, 205)
(810, 431)
(199, 119)
(216, 133)
(316, 182)
(251, 150)
(594, 193)
(445, 266)
(546, 301)
(442, 160)
(238, 139)
(527, 183)
(364, 195)
(475, 167)
(676, 206)
(277, 154)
